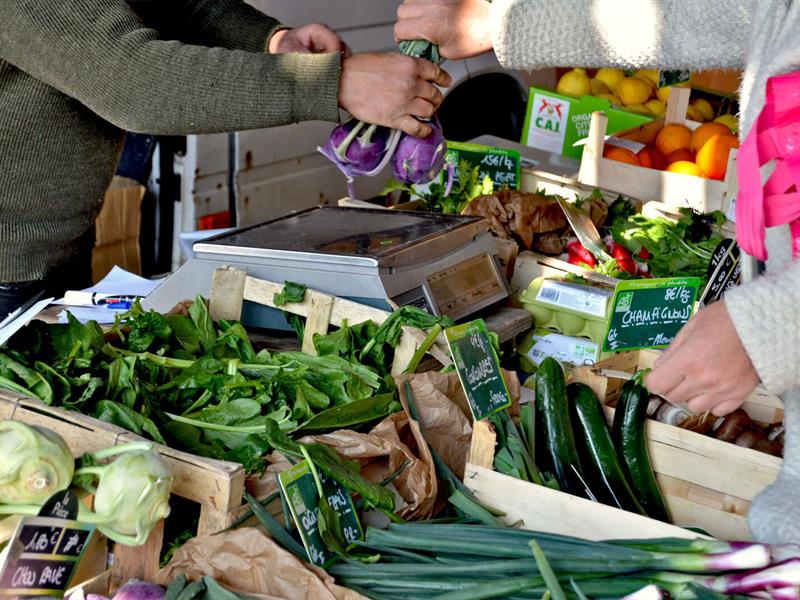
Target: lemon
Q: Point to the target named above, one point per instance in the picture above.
(633, 90)
(611, 77)
(638, 108)
(662, 93)
(598, 87)
(611, 98)
(574, 83)
(694, 114)
(705, 108)
(650, 75)
(655, 106)
(730, 121)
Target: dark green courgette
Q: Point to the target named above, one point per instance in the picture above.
(555, 441)
(630, 442)
(596, 450)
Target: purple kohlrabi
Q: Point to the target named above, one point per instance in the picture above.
(420, 160)
(356, 147)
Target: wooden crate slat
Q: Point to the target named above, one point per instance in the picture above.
(540, 508)
(719, 524)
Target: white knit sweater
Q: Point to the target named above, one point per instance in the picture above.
(763, 38)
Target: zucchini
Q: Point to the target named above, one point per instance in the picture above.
(630, 441)
(555, 440)
(596, 450)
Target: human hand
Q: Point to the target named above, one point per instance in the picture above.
(314, 38)
(459, 27)
(391, 90)
(705, 365)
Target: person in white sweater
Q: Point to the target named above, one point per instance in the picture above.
(754, 333)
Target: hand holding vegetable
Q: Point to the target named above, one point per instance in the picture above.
(314, 38)
(460, 27)
(391, 90)
(706, 365)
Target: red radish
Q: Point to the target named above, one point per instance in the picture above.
(644, 254)
(578, 251)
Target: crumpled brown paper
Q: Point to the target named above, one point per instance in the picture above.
(247, 561)
(522, 215)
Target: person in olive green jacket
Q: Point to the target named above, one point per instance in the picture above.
(76, 74)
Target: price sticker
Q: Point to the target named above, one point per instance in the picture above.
(301, 494)
(648, 313)
(478, 368)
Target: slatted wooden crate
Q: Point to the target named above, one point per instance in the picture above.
(675, 189)
(707, 483)
(218, 486)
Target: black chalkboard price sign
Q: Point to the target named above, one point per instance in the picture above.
(648, 313)
(501, 165)
(478, 368)
(45, 551)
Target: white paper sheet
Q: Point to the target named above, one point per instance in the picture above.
(20, 321)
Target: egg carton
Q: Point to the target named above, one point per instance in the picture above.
(568, 307)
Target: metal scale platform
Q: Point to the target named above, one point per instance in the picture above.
(442, 263)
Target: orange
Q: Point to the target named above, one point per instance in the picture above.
(651, 158)
(678, 155)
(673, 137)
(620, 154)
(685, 167)
(713, 156)
(705, 132)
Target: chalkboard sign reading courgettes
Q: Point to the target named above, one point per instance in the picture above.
(478, 368)
(43, 554)
(501, 165)
(648, 313)
(300, 490)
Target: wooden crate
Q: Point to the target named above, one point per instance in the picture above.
(675, 189)
(218, 486)
(540, 508)
(707, 483)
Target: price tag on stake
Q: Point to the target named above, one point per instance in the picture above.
(41, 558)
(648, 313)
(300, 491)
(502, 165)
(478, 368)
(724, 271)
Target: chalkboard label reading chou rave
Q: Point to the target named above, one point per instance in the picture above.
(478, 368)
(648, 313)
(44, 552)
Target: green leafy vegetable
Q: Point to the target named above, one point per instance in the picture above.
(466, 186)
(291, 292)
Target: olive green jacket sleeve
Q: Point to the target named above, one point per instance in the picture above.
(102, 54)
(231, 24)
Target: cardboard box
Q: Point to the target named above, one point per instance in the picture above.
(117, 229)
(554, 122)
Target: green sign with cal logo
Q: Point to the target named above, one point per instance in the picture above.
(478, 368)
(648, 313)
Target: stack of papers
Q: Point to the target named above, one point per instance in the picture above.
(118, 282)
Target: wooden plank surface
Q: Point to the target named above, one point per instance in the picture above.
(539, 508)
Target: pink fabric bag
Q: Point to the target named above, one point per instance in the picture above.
(775, 136)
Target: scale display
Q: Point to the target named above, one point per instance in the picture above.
(344, 231)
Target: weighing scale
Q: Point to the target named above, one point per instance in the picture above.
(444, 264)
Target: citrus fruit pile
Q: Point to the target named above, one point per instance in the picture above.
(637, 93)
(677, 149)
